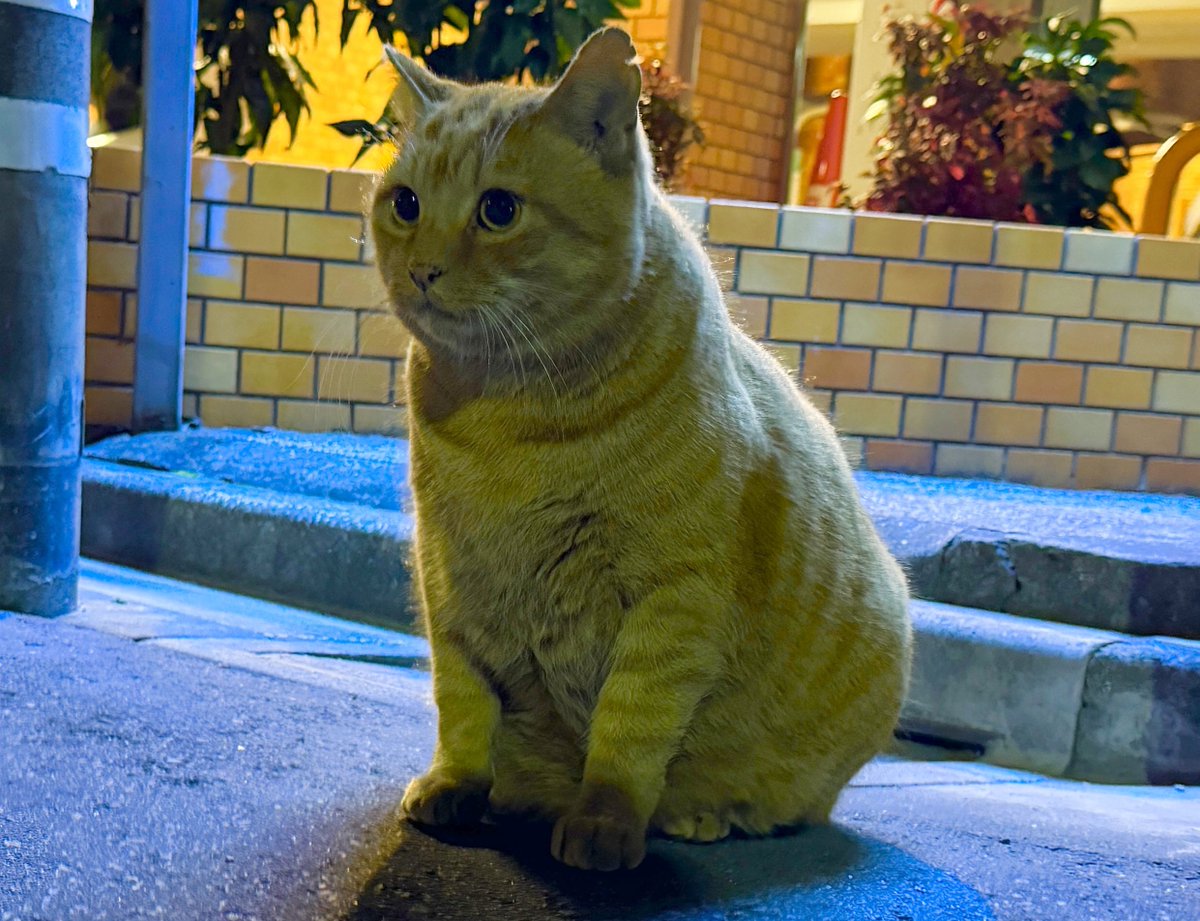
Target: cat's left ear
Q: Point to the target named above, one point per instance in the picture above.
(595, 102)
(418, 90)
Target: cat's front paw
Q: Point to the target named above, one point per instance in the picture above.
(438, 798)
(601, 832)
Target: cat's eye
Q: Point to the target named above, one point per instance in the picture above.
(498, 209)
(405, 205)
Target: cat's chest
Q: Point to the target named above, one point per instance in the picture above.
(535, 557)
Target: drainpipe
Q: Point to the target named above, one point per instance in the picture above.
(44, 164)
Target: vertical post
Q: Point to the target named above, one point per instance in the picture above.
(44, 165)
(168, 68)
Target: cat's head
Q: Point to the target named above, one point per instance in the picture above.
(511, 216)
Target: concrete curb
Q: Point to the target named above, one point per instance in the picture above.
(1024, 693)
(302, 551)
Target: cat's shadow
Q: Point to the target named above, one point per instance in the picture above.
(507, 874)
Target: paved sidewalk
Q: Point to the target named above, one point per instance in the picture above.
(174, 752)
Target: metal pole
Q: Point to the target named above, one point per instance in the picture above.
(168, 69)
(44, 164)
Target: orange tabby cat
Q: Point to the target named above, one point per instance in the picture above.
(653, 599)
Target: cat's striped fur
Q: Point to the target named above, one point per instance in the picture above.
(653, 598)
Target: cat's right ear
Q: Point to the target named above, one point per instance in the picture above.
(595, 103)
(418, 90)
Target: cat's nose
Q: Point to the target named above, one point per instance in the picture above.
(424, 275)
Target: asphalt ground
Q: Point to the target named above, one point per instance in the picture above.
(176, 752)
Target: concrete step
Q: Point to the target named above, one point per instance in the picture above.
(1114, 561)
(1008, 690)
(1034, 694)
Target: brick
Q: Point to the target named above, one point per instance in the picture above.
(743, 223)
(956, 240)
(969, 460)
(749, 314)
(108, 215)
(282, 281)
(1157, 346)
(311, 416)
(1177, 392)
(892, 235)
(1124, 388)
(1081, 429)
(987, 289)
(1058, 295)
(1146, 433)
(846, 279)
(867, 324)
(1087, 340)
(772, 273)
(351, 190)
(1191, 437)
(838, 369)
(979, 378)
(787, 355)
(215, 275)
(318, 329)
(241, 325)
(236, 412)
(1029, 247)
(1045, 382)
(1007, 424)
(210, 370)
(867, 414)
(724, 263)
(821, 399)
(1128, 299)
(1107, 471)
(899, 456)
(816, 230)
(947, 331)
(103, 313)
(916, 283)
(1020, 336)
(287, 186)
(1158, 258)
(384, 420)
(1099, 252)
(193, 322)
(359, 380)
(907, 372)
(246, 230)
(220, 179)
(108, 361)
(1173, 476)
(804, 320)
(108, 406)
(1051, 469)
(381, 335)
(111, 265)
(324, 236)
(937, 420)
(274, 374)
(117, 168)
(357, 286)
(1183, 304)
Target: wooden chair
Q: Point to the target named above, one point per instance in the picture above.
(1169, 162)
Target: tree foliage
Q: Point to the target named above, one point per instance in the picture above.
(249, 74)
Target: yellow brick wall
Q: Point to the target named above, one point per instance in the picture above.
(742, 92)
(1040, 355)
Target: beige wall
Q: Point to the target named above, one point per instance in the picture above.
(1061, 358)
